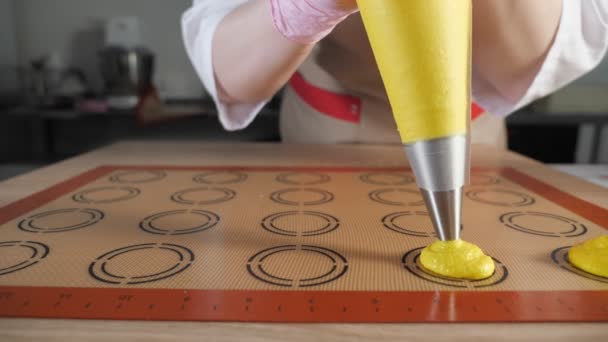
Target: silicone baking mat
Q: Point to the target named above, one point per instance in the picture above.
(290, 245)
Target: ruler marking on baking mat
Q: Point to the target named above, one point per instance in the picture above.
(439, 304)
(316, 306)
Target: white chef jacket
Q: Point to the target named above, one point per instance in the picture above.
(339, 69)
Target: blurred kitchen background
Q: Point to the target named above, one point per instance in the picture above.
(76, 75)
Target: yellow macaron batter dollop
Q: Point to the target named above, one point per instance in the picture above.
(591, 256)
(457, 259)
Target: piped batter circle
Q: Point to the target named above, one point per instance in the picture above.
(543, 224)
(203, 196)
(105, 195)
(143, 263)
(18, 255)
(500, 197)
(62, 220)
(300, 223)
(387, 178)
(220, 177)
(408, 222)
(303, 178)
(305, 196)
(136, 177)
(411, 262)
(297, 266)
(179, 222)
(560, 258)
(397, 197)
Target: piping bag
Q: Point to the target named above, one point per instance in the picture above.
(423, 51)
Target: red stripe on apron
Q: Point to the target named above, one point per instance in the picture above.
(476, 111)
(340, 106)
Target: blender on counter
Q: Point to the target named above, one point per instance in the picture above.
(127, 66)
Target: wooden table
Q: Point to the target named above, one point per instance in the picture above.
(184, 153)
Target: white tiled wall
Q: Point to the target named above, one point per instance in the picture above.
(599, 76)
(8, 47)
(74, 29)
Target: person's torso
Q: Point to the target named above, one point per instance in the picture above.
(342, 69)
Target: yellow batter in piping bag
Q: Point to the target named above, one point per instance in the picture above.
(422, 49)
(423, 52)
(591, 256)
(457, 259)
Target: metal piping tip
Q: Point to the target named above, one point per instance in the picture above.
(445, 210)
(441, 167)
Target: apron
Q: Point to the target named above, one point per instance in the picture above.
(337, 96)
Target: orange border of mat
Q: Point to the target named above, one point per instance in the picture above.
(303, 306)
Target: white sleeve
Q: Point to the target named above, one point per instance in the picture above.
(580, 44)
(198, 28)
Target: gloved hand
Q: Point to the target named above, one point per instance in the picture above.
(309, 21)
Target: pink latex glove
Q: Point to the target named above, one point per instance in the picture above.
(309, 21)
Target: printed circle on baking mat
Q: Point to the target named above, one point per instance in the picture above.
(411, 262)
(179, 222)
(397, 197)
(17, 255)
(62, 220)
(136, 177)
(408, 222)
(302, 196)
(297, 266)
(106, 195)
(499, 197)
(139, 264)
(303, 178)
(560, 257)
(480, 179)
(387, 178)
(220, 177)
(203, 196)
(300, 223)
(543, 224)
